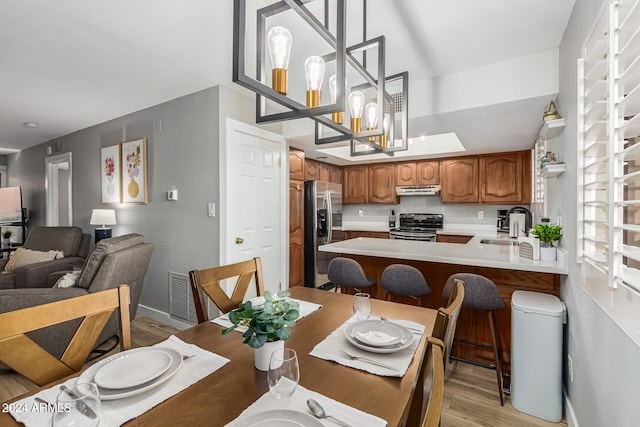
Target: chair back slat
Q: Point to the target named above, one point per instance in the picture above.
(433, 384)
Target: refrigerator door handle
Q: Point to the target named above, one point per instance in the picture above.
(327, 198)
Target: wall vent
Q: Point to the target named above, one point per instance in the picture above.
(180, 298)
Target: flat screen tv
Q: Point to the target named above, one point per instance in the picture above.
(10, 205)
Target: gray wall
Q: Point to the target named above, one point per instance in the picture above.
(606, 362)
(184, 154)
(3, 160)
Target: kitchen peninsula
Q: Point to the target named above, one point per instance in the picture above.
(437, 261)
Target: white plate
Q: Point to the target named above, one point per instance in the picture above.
(110, 394)
(279, 418)
(133, 369)
(377, 333)
(406, 341)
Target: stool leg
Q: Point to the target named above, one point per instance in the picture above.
(496, 354)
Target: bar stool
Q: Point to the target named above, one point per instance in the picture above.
(348, 273)
(405, 280)
(481, 294)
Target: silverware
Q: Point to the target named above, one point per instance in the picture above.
(187, 356)
(412, 329)
(83, 407)
(370, 361)
(41, 400)
(318, 411)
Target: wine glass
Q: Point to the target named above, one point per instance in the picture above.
(284, 373)
(77, 406)
(362, 306)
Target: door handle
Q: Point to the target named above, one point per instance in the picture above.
(239, 240)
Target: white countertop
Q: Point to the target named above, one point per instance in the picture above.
(472, 253)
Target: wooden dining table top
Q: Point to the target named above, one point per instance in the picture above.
(221, 396)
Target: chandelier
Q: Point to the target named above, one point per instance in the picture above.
(303, 68)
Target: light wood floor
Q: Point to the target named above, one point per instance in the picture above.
(470, 396)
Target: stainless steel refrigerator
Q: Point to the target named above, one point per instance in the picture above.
(322, 225)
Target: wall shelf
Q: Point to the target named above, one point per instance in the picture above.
(553, 169)
(551, 128)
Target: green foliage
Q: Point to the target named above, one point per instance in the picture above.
(547, 233)
(265, 323)
(7, 234)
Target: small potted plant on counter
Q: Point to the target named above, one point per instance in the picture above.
(267, 325)
(549, 235)
(6, 238)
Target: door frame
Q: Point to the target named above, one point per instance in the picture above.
(232, 126)
(51, 185)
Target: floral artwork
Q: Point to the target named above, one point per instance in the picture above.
(110, 174)
(134, 176)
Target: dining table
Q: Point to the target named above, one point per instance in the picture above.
(223, 395)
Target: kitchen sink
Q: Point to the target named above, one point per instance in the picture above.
(503, 242)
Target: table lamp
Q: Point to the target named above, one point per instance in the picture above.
(103, 217)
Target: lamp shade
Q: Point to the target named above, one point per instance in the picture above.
(103, 217)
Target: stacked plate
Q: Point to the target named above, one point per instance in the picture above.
(133, 371)
(378, 336)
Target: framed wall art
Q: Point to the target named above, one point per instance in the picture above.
(134, 171)
(110, 174)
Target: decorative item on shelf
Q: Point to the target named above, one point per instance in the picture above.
(549, 235)
(103, 217)
(551, 113)
(268, 325)
(529, 247)
(548, 158)
(6, 238)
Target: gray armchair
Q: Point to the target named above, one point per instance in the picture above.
(69, 240)
(115, 261)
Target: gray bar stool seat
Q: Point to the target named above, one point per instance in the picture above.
(348, 274)
(481, 294)
(405, 280)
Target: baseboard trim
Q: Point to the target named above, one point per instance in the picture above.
(569, 413)
(161, 316)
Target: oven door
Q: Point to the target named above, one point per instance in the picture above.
(413, 235)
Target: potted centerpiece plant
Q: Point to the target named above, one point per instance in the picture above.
(549, 235)
(267, 325)
(6, 238)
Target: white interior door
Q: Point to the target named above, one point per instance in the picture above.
(254, 201)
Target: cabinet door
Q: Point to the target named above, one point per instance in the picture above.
(355, 184)
(296, 233)
(504, 178)
(335, 174)
(311, 170)
(428, 172)
(296, 165)
(325, 172)
(459, 180)
(406, 173)
(382, 187)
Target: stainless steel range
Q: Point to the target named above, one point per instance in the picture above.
(417, 226)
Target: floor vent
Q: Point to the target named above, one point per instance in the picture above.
(180, 298)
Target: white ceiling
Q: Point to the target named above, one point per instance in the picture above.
(70, 64)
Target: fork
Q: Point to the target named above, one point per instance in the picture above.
(187, 356)
(367, 360)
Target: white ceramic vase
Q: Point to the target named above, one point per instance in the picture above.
(263, 354)
(548, 253)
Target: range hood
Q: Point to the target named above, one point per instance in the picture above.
(418, 190)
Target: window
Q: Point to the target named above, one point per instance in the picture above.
(609, 163)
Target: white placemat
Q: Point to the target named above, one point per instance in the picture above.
(305, 308)
(298, 402)
(331, 348)
(117, 412)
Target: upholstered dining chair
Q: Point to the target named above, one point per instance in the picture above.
(92, 311)
(480, 293)
(446, 321)
(405, 280)
(347, 273)
(207, 282)
(433, 384)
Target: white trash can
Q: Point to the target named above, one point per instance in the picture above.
(536, 354)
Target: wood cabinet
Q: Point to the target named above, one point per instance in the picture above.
(382, 188)
(320, 171)
(452, 238)
(311, 170)
(428, 172)
(296, 233)
(296, 165)
(406, 173)
(355, 188)
(375, 234)
(335, 174)
(459, 180)
(325, 169)
(505, 178)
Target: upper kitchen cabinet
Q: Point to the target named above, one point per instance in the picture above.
(335, 174)
(320, 171)
(428, 172)
(311, 170)
(355, 188)
(505, 178)
(296, 165)
(459, 180)
(406, 173)
(382, 187)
